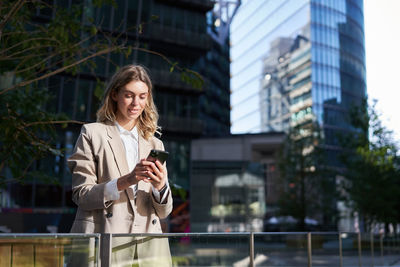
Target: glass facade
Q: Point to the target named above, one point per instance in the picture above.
(338, 55)
(256, 26)
(296, 61)
(214, 103)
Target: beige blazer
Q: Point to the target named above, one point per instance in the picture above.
(98, 157)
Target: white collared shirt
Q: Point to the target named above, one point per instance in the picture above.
(130, 139)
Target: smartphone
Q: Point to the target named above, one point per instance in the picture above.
(157, 154)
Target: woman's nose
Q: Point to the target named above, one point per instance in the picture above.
(135, 101)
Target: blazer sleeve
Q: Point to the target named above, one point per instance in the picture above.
(87, 193)
(163, 209)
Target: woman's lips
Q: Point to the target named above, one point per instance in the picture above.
(133, 111)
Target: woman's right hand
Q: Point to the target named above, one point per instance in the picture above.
(140, 172)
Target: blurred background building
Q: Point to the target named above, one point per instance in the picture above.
(292, 59)
(234, 182)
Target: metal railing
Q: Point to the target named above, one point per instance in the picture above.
(204, 249)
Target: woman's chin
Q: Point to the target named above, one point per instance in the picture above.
(133, 116)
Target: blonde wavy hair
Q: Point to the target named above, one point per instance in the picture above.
(147, 121)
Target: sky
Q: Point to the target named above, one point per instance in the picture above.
(382, 45)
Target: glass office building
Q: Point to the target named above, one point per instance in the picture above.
(295, 61)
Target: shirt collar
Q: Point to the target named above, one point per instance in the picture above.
(132, 132)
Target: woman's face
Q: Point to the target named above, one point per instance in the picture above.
(131, 101)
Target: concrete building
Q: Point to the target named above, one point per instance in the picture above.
(234, 182)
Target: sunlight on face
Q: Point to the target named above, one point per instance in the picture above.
(131, 101)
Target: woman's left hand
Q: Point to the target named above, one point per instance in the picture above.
(156, 173)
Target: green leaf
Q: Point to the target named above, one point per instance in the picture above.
(99, 90)
(93, 30)
(128, 51)
(171, 69)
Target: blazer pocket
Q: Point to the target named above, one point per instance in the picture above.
(143, 203)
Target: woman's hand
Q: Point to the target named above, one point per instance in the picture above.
(150, 172)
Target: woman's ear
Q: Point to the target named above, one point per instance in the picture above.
(114, 95)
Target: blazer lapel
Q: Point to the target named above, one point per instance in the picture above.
(118, 149)
(144, 148)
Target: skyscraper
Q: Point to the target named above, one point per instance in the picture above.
(294, 61)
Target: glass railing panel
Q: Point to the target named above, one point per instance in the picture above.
(397, 248)
(280, 249)
(390, 250)
(377, 250)
(49, 250)
(380, 250)
(350, 252)
(325, 248)
(216, 249)
(367, 257)
(134, 250)
(210, 249)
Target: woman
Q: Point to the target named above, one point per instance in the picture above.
(115, 188)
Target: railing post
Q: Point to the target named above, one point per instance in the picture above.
(340, 250)
(359, 248)
(251, 247)
(309, 248)
(398, 243)
(372, 248)
(105, 250)
(381, 246)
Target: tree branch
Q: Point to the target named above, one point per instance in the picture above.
(52, 122)
(29, 40)
(13, 58)
(13, 10)
(33, 66)
(52, 56)
(24, 83)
